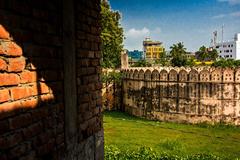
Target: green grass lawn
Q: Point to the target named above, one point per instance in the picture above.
(128, 132)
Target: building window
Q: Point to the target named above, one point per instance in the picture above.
(230, 55)
(231, 45)
(230, 50)
(220, 51)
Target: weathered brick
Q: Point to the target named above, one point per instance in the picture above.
(43, 88)
(29, 156)
(42, 138)
(10, 49)
(52, 75)
(28, 76)
(3, 65)
(4, 126)
(16, 64)
(32, 130)
(34, 89)
(9, 109)
(30, 103)
(4, 95)
(10, 140)
(3, 33)
(46, 148)
(9, 79)
(19, 150)
(3, 156)
(47, 97)
(60, 139)
(39, 113)
(19, 92)
(20, 121)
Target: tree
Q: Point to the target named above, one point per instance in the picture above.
(224, 63)
(111, 36)
(213, 55)
(142, 63)
(178, 54)
(163, 59)
(202, 54)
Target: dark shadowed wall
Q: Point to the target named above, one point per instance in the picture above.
(50, 89)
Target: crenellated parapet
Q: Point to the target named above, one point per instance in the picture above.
(184, 74)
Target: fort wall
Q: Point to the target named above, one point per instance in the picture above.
(189, 95)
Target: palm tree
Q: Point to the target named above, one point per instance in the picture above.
(213, 54)
(202, 54)
(178, 54)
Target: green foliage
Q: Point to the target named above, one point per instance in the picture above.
(111, 36)
(226, 63)
(142, 63)
(178, 54)
(204, 54)
(190, 62)
(112, 77)
(163, 60)
(147, 153)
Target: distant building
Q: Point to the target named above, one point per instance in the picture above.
(135, 55)
(230, 49)
(152, 49)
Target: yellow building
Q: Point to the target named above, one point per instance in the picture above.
(152, 49)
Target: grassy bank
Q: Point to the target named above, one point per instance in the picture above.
(130, 133)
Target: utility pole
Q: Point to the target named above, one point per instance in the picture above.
(222, 32)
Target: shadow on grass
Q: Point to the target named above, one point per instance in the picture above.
(123, 116)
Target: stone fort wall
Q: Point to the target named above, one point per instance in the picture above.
(191, 95)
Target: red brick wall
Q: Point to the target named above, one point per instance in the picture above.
(88, 67)
(32, 84)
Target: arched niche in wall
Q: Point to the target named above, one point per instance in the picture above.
(216, 75)
(173, 75)
(135, 74)
(237, 75)
(183, 76)
(131, 74)
(205, 76)
(163, 75)
(228, 75)
(193, 75)
(141, 75)
(155, 75)
(148, 75)
(127, 73)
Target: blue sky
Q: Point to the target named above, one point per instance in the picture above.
(170, 21)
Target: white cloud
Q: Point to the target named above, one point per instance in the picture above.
(135, 33)
(219, 16)
(135, 37)
(231, 2)
(235, 14)
(156, 30)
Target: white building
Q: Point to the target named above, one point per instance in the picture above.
(230, 49)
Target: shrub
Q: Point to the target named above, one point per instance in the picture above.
(146, 153)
